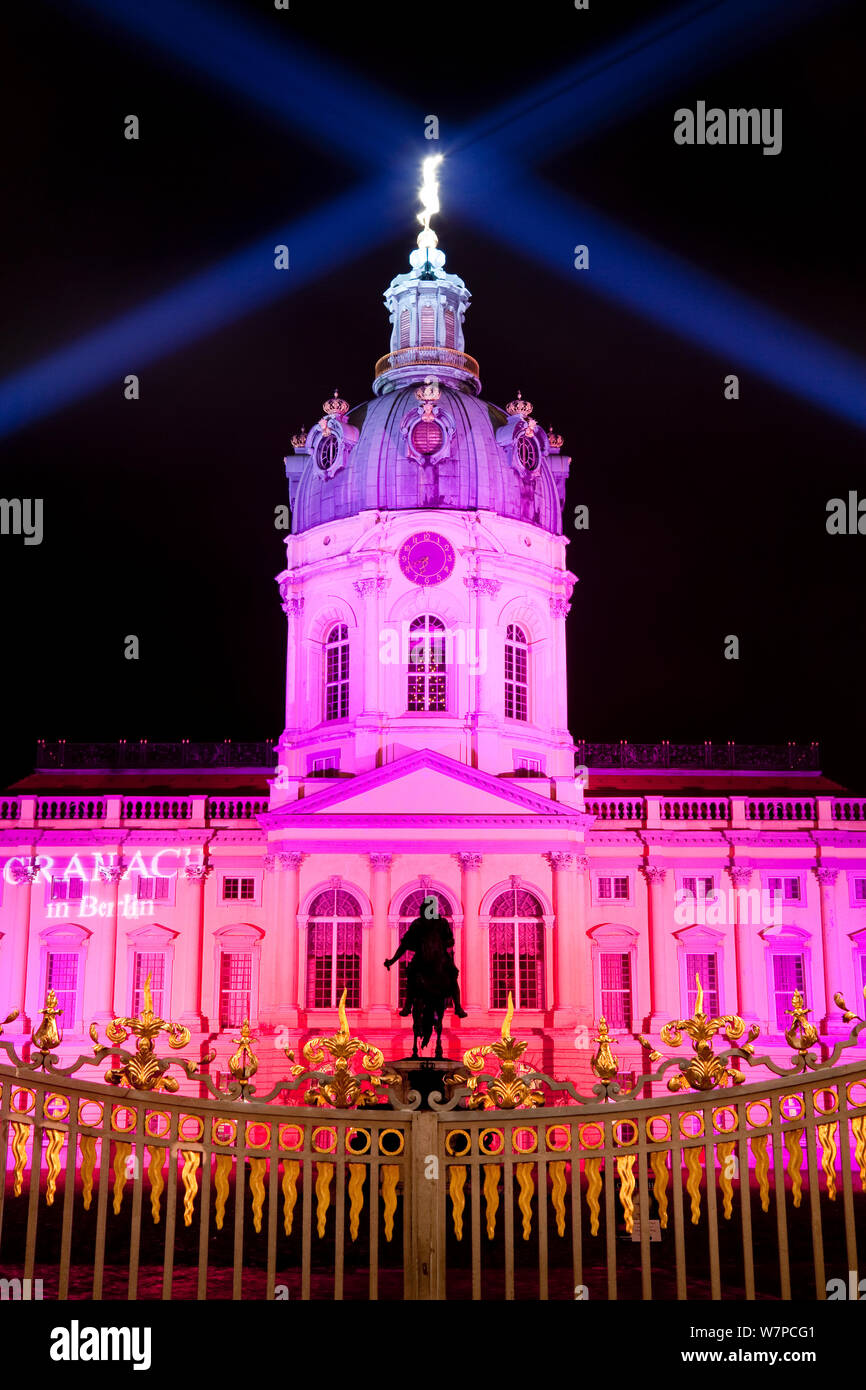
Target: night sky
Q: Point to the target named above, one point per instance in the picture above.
(707, 517)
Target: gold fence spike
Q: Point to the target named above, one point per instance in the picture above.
(357, 1173)
(491, 1195)
(258, 1167)
(390, 1177)
(456, 1186)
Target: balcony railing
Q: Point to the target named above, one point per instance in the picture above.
(89, 757)
(708, 756)
(426, 357)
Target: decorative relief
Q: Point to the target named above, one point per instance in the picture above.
(469, 861)
(477, 585)
(653, 873)
(365, 588)
(740, 875)
(380, 861)
(825, 876)
(560, 607)
(113, 873)
(559, 859)
(197, 873)
(24, 873)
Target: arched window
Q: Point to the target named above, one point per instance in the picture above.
(517, 950)
(516, 673)
(410, 908)
(427, 682)
(334, 950)
(337, 673)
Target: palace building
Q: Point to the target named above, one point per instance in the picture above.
(426, 749)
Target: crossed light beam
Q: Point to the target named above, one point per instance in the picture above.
(495, 192)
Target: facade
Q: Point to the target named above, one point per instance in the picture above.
(426, 749)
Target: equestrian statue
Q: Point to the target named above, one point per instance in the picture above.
(432, 977)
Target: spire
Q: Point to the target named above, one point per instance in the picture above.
(427, 307)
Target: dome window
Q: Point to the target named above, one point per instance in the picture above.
(427, 436)
(428, 325)
(527, 453)
(326, 451)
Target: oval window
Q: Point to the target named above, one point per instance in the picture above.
(527, 453)
(427, 437)
(326, 451)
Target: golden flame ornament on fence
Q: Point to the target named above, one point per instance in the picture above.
(802, 1035)
(243, 1063)
(344, 1088)
(507, 1091)
(604, 1064)
(143, 1071)
(47, 1035)
(705, 1071)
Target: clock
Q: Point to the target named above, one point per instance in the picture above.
(426, 558)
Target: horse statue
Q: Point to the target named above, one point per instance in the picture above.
(432, 978)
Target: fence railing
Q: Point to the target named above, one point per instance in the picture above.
(727, 1187)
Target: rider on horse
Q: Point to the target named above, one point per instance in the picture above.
(430, 938)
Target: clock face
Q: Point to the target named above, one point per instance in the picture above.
(426, 558)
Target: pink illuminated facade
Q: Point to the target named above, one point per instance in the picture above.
(426, 749)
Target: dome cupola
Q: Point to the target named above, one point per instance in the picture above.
(427, 306)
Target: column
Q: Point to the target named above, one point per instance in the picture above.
(565, 952)
(380, 896)
(662, 969)
(744, 956)
(102, 953)
(833, 979)
(472, 974)
(24, 876)
(188, 994)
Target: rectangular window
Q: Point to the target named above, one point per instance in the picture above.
(153, 889)
(62, 976)
(67, 889)
(698, 887)
(531, 766)
(705, 966)
(788, 975)
(236, 983)
(615, 971)
(613, 888)
(325, 765)
(239, 890)
(790, 889)
(150, 963)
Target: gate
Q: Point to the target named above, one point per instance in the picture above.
(749, 1190)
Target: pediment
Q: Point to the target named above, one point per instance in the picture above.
(424, 783)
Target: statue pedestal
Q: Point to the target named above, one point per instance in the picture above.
(425, 1074)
